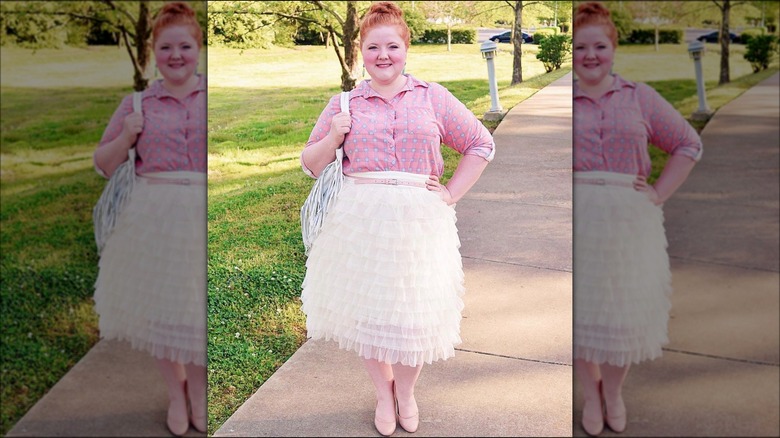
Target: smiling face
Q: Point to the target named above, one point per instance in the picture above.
(384, 54)
(176, 52)
(593, 55)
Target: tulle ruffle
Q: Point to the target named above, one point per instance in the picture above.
(385, 278)
(622, 281)
(151, 286)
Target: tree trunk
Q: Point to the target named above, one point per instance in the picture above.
(449, 37)
(351, 48)
(143, 46)
(517, 40)
(724, 43)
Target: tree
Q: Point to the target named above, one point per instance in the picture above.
(725, 12)
(131, 19)
(338, 20)
(517, 40)
(449, 13)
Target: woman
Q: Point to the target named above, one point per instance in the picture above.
(151, 287)
(384, 278)
(622, 281)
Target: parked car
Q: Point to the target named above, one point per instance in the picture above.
(714, 37)
(506, 37)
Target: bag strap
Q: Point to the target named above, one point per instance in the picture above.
(345, 102)
(344, 109)
(137, 108)
(137, 95)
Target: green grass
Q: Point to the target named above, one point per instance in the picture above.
(49, 261)
(55, 105)
(258, 124)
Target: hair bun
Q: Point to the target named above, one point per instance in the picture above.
(385, 8)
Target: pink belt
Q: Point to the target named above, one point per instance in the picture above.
(603, 181)
(386, 181)
(179, 181)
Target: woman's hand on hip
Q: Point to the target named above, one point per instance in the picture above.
(641, 185)
(433, 185)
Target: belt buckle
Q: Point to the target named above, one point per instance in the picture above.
(185, 182)
(601, 181)
(392, 181)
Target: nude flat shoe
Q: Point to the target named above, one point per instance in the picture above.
(593, 426)
(615, 420)
(384, 427)
(409, 423)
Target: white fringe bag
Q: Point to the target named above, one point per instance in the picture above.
(323, 193)
(116, 193)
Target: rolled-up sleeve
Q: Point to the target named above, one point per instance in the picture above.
(321, 128)
(669, 130)
(114, 128)
(463, 131)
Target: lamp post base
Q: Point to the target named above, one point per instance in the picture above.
(701, 115)
(493, 116)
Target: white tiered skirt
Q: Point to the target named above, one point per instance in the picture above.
(151, 286)
(384, 277)
(622, 281)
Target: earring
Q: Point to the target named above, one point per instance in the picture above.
(364, 70)
(403, 72)
(156, 72)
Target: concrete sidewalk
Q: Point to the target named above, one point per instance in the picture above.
(720, 374)
(512, 374)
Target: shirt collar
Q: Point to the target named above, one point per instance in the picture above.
(364, 89)
(157, 90)
(618, 84)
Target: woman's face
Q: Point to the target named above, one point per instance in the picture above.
(593, 54)
(176, 53)
(384, 53)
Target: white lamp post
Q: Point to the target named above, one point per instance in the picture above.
(489, 51)
(696, 50)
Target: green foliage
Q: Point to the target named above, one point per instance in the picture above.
(646, 35)
(748, 34)
(438, 35)
(553, 50)
(543, 33)
(228, 27)
(624, 22)
(760, 51)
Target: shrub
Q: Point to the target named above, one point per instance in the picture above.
(543, 33)
(552, 51)
(438, 35)
(646, 35)
(748, 34)
(760, 51)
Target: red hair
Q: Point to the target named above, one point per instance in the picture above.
(595, 14)
(385, 14)
(177, 14)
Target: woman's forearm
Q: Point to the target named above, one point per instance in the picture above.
(675, 172)
(466, 175)
(320, 154)
(109, 156)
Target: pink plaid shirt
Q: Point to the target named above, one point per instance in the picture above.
(405, 133)
(612, 134)
(174, 134)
